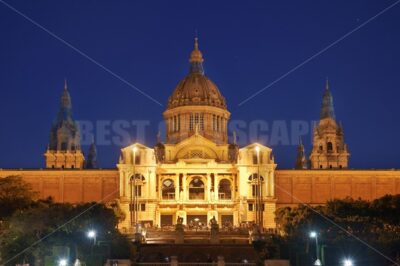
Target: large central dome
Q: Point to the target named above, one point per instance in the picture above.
(196, 106)
(196, 88)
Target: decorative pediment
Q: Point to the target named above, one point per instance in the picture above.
(198, 147)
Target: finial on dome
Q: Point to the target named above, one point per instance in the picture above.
(327, 84)
(196, 56)
(196, 43)
(65, 84)
(196, 59)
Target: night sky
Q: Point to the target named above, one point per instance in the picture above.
(247, 45)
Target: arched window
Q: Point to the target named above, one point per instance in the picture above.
(196, 189)
(253, 179)
(329, 146)
(168, 189)
(225, 189)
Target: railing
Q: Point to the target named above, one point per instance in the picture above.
(240, 264)
(194, 263)
(153, 263)
(168, 196)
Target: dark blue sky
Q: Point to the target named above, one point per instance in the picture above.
(246, 45)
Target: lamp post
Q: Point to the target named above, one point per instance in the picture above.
(347, 262)
(314, 234)
(137, 233)
(133, 207)
(259, 214)
(62, 262)
(92, 235)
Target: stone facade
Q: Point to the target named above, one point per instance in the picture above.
(197, 174)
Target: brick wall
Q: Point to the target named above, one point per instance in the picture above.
(72, 186)
(319, 186)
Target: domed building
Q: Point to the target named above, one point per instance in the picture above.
(196, 174)
(196, 104)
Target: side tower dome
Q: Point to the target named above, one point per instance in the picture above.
(196, 105)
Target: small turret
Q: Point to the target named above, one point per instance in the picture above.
(301, 161)
(91, 162)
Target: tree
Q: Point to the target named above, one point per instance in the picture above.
(33, 233)
(345, 224)
(15, 194)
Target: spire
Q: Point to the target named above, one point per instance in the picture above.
(301, 162)
(66, 98)
(327, 110)
(65, 112)
(91, 162)
(196, 59)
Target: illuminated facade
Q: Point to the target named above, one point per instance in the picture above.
(196, 174)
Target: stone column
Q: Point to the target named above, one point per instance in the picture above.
(177, 198)
(185, 189)
(216, 182)
(208, 192)
(272, 174)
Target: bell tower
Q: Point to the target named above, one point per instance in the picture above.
(329, 150)
(64, 149)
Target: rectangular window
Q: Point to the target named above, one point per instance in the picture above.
(201, 121)
(251, 207)
(196, 119)
(142, 207)
(138, 191)
(214, 123)
(254, 190)
(191, 122)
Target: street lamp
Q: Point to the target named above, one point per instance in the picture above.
(259, 213)
(347, 262)
(63, 262)
(92, 234)
(133, 206)
(314, 234)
